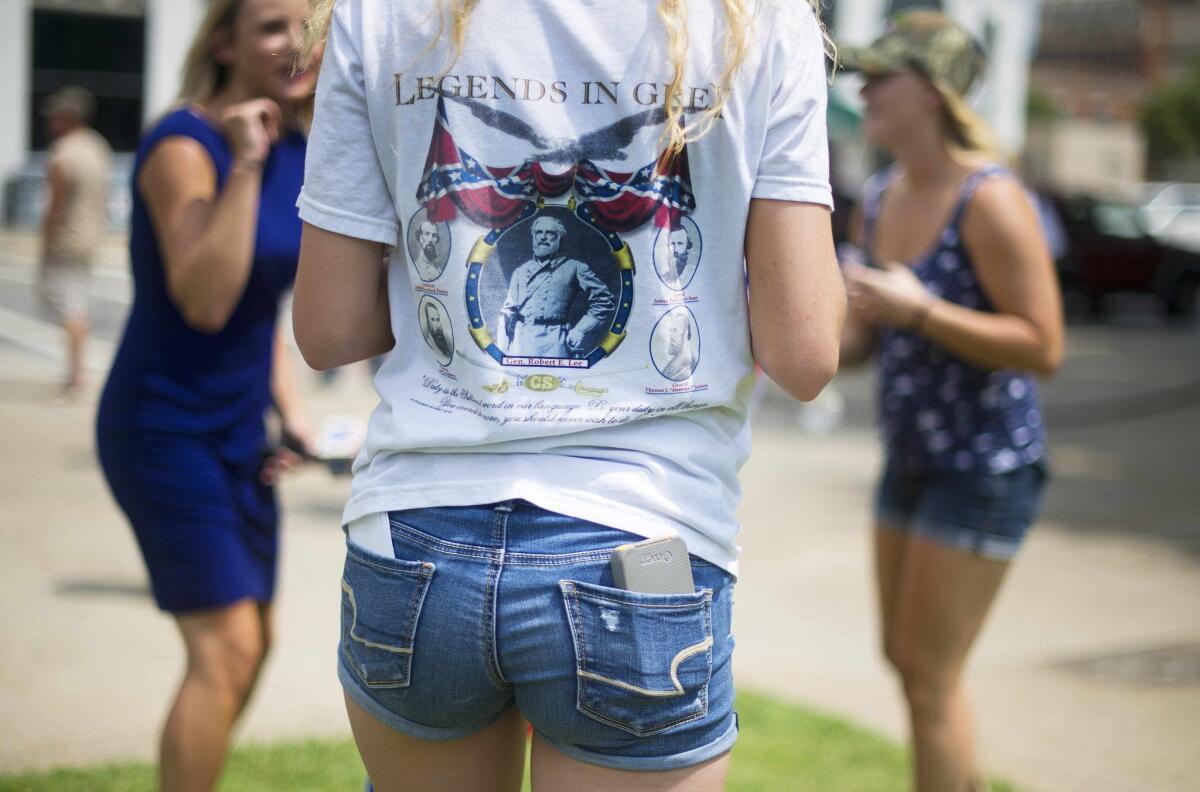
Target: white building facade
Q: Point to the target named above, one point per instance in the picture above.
(129, 53)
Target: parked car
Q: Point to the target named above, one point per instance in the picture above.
(1109, 249)
(1171, 212)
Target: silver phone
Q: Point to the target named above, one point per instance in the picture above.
(654, 566)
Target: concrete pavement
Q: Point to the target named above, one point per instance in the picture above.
(1087, 676)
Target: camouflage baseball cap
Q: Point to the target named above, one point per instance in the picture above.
(926, 42)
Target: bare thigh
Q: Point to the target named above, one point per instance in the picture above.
(266, 617)
(228, 643)
(492, 760)
(890, 547)
(554, 771)
(943, 597)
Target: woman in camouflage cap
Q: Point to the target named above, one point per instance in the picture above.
(960, 300)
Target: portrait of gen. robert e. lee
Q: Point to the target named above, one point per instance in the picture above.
(539, 312)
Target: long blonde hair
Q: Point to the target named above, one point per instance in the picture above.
(203, 76)
(966, 129)
(673, 14)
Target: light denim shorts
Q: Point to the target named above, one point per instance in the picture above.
(488, 607)
(987, 515)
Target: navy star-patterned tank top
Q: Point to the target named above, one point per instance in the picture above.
(937, 411)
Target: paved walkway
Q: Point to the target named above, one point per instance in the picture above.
(1087, 677)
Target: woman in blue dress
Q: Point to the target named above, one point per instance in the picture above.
(214, 241)
(962, 305)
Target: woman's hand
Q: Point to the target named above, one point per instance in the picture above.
(298, 446)
(892, 295)
(252, 127)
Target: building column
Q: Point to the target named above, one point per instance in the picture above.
(859, 22)
(170, 25)
(1016, 41)
(1003, 93)
(15, 62)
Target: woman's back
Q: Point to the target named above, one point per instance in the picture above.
(557, 280)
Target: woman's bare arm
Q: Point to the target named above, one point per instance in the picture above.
(1016, 271)
(1011, 260)
(860, 335)
(285, 392)
(797, 300)
(340, 309)
(285, 389)
(206, 239)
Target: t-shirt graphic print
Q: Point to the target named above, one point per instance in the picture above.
(567, 293)
(550, 278)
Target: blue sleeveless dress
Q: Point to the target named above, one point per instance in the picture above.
(180, 430)
(964, 446)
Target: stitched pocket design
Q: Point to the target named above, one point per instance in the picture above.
(643, 661)
(381, 604)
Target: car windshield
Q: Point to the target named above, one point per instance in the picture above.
(1176, 196)
(1118, 221)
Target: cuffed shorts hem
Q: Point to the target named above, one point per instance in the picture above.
(183, 607)
(540, 586)
(649, 764)
(892, 521)
(986, 516)
(992, 548)
(403, 725)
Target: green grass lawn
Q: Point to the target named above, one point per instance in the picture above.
(781, 747)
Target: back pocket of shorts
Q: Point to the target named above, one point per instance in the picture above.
(642, 661)
(381, 603)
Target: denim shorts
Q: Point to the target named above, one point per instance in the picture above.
(986, 515)
(488, 607)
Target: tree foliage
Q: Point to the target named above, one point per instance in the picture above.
(1171, 118)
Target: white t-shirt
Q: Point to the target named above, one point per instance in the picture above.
(569, 311)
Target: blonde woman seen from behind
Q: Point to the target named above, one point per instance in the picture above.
(214, 241)
(961, 304)
(572, 400)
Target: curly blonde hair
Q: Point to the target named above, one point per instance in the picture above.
(673, 14)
